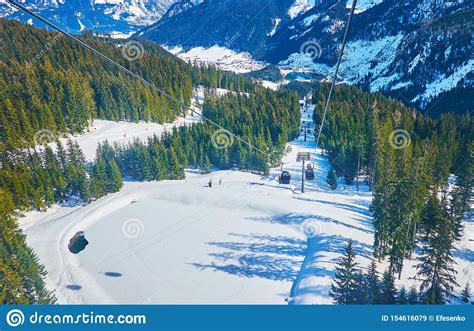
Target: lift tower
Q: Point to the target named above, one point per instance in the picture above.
(303, 156)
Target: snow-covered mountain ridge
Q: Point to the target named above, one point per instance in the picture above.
(418, 51)
(119, 17)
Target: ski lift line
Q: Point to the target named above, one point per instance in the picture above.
(134, 75)
(344, 40)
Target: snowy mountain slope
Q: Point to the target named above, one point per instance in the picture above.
(299, 7)
(104, 16)
(363, 5)
(240, 25)
(417, 50)
(248, 240)
(223, 58)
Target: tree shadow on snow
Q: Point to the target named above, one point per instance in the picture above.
(278, 258)
(337, 244)
(275, 258)
(299, 219)
(322, 290)
(359, 207)
(464, 254)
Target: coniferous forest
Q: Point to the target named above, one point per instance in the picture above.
(197, 146)
(406, 158)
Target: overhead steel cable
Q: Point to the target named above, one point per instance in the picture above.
(134, 75)
(333, 84)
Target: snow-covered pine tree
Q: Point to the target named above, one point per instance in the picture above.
(344, 283)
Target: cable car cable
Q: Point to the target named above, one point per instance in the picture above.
(344, 40)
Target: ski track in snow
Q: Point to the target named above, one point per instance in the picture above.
(249, 240)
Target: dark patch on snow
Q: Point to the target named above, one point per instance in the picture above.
(113, 274)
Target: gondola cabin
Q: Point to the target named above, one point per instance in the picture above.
(284, 178)
(309, 173)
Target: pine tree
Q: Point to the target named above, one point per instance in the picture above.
(454, 211)
(373, 284)
(114, 177)
(331, 179)
(98, 180)
(205, 165)
(84, 189)
(413, 296)
(466, 294)
(432, 214)
(362, 289)
(388, 294)
(436, 266)
(176, 171)
(344, 283)
(402, 296)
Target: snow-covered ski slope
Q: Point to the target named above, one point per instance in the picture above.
(126, 132)
(247, 240)
(122, 133)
